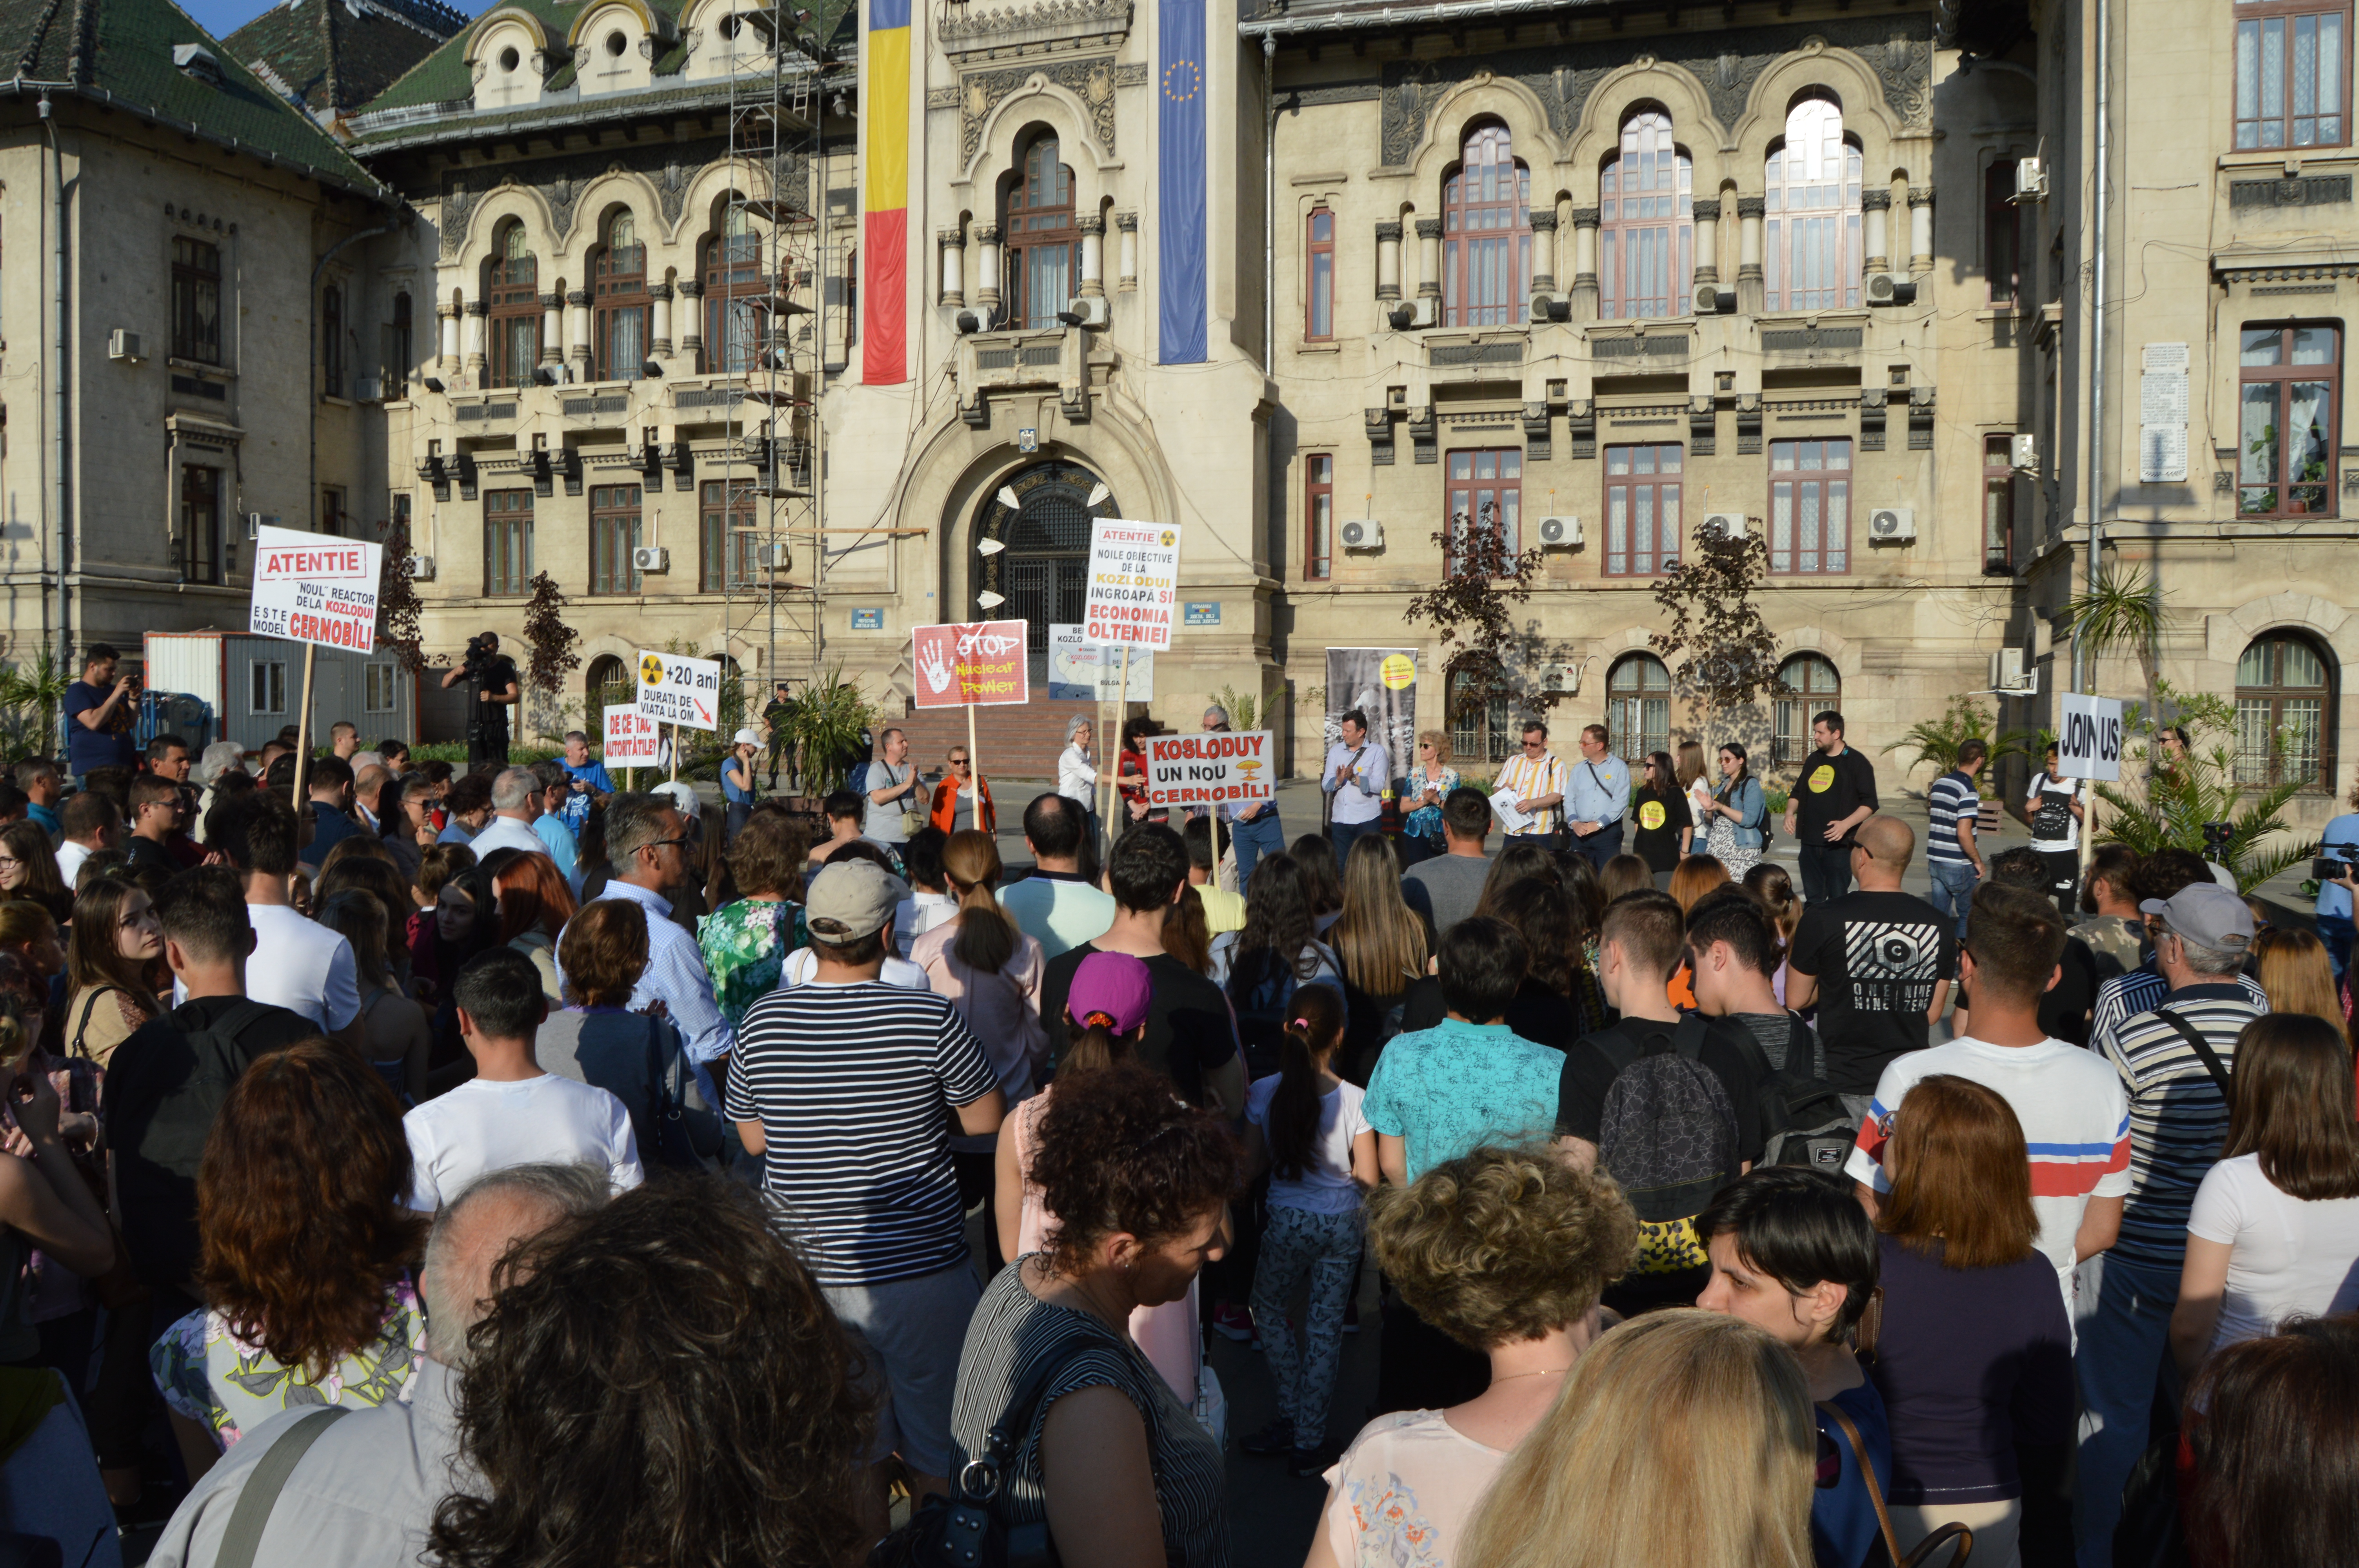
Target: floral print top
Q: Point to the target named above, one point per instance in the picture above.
(1425, 822)
(745, 945)
(1405, 1491)
(208, 1374)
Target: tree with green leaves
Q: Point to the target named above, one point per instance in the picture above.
(1937, 741)
(2179, 799)
(1727, 655)
(398, 608)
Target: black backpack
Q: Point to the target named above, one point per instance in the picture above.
(1667, 1130)
(1813, 1123)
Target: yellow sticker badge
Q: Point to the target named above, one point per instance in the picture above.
(1398, 672)
(1651, 815)
(1823, 778)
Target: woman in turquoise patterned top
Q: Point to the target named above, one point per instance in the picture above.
(746, 944)
(310, 1254)
(1429, 783)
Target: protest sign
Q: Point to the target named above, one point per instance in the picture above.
(1229, 767)
(313, 588)
(1081, 671)
(981, 663)
(676, 689)
(2089, 743)
(1133, 584)
(633, 739)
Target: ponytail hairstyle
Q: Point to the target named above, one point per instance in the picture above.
(986, 938)
(1312, 1034)
(1093, 1046)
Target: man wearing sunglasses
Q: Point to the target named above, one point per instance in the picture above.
(1598, 795)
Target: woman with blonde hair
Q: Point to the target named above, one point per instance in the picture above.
(1683, 1439)
(1505, 1251)
(2292, 968)
(1429, 783)
(1380, 942)
(114, 968)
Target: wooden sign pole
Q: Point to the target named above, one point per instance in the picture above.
(973, 772)
(303, 728)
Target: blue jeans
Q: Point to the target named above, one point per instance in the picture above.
(1343, 834)
(1954, 890)
(2337, 931)
(1259, 835)
(2123, 1316)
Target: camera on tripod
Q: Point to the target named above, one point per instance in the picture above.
(481, 648)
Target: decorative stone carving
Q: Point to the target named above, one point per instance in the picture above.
(1092, 80)
(1752, 206)
(1538, 445)
(966, 29)
(1429, 228)
(1378, 423)
(1587, 216)
(1877, 199)
(551, 301)
(561, 180)
(1543, 221)
(2304, 190)
(1921, 195)
(1391, 231)
(1708, 210)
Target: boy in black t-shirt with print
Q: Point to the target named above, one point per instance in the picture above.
(1878, 962)
(1835, 793)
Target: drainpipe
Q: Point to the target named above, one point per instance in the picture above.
(2083, 656)
(62, 528)
(1269, 204)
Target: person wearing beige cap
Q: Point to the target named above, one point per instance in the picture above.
(2176, 1060)
(737, 779)
(840, 1085)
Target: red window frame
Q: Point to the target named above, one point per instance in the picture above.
(1642, 508)
(1319, 516)
(508, 542)
(615, 532)
(2002, 236)
(1810, 240)
(1319, 275)
(725, 535)
(1809, 482)
(1486, 228)
(1646, 235)
(2273, 479)
(2307, 46)
(1043, 240)
(1484, 510)
(512, 294)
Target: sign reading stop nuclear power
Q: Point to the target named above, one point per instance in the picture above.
(676, 689)
(1134, 586)
(308, 588)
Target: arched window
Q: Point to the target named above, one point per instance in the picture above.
(1646, 235)
(618, 298)
(1638, 705)
(1479, 728)
(1486, 234)
(1806, 684)
(1811, 257)
(2284, 688)
(511, 294)
(1041, 239)
(736, 312)
(609, 683)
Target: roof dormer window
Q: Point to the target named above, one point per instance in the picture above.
(198, 63)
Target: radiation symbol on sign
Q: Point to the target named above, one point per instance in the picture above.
(650, 670)
(1169, 537)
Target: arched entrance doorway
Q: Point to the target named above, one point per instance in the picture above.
(1042, 517)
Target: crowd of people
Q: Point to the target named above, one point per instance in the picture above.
(503, 1168)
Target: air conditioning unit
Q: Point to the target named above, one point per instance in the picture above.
(123, 345)
(1722, 526)
(2023, 454)
(1892, 525)
(420, 569)
(1096, 313)
(368, 389)
(1552, 307)
(1889, 288)
(1411, 315)
(1366, 533)
(777, 558)
(651, 559)
(255, 522)
(2030, 180)
(2009, 675)
(1560, 533)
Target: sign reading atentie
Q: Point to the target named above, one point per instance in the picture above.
(1210, 769)
(309, 588)
(1134, 585)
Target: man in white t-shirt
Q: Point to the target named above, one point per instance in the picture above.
(510, 1112)
(2075, 1116)
(298, 963)
(90, 823)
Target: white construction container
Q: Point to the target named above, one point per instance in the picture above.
(255, 686)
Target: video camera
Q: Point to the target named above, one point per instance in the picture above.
(2334, 862)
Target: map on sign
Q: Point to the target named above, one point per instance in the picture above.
(314, 588)
(633, 739)
(1081, 671)
(978, 663)
(1134, 586)
(676, 689)
(1210, 769)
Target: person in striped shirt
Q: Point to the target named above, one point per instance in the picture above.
(1952, 856)
(2074, 1112)
(2159, 876)
(2178, 1119)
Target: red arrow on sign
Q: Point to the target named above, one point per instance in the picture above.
(701, 713)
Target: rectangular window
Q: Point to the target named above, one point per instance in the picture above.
(200, 537)
(1319, 517)
(331, 340)
(2286, 421)
(196, 301)
(270, 692)
(728, 543)
(1322, 283)
(2002, 235)
(613, 534)
(377, 689)
(331, 511)
(401, 512)
(1998, 506)
(395, 350)
(2293, 64)
(1486, 498)
(1810, 507)
(1641, 509)
(507, 541)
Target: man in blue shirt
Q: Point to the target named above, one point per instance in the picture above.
(1597, 792)
(2335, 926)
(39, 780)
(589, 781)
(101, 709)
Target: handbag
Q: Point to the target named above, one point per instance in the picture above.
(1925, 1548)
(969, 1529)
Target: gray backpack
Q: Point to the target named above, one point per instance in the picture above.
(1668, 1129)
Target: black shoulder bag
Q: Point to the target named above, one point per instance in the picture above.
(970, 1528)
(2194, 1037)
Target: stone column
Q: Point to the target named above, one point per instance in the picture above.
(1429, 258)
(690, 320)
(1128, 223)
(986, 267)
(1920, 228)
(1751, 295)
(578, 336)
(659, 320)
(1544, 251)
(1584, 264)
(1707, 242)
(1092, 228)
(447, 338)
(552, 328)
(952, 242)
(1388, 247)
(476, 310)
(1875, 211)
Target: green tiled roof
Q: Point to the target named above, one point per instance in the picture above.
(336, 55)
(120, 53)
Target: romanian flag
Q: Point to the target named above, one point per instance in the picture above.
(884, 195)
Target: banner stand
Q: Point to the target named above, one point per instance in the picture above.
(303, 730)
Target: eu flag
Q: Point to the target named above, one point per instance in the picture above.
(1181, 304)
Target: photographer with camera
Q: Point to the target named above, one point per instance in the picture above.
(100, 710)
(491, 678)
(2337, 871)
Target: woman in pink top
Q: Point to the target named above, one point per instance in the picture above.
(991, 972)
(1506, 1251)
(1106, 1018)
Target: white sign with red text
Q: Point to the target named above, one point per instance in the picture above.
(315, 588)
(633, 739)
(1133, 587)
(1207, 769)
(982, 662)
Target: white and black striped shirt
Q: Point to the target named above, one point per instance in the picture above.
(851, 1084)
(2178, 1118)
